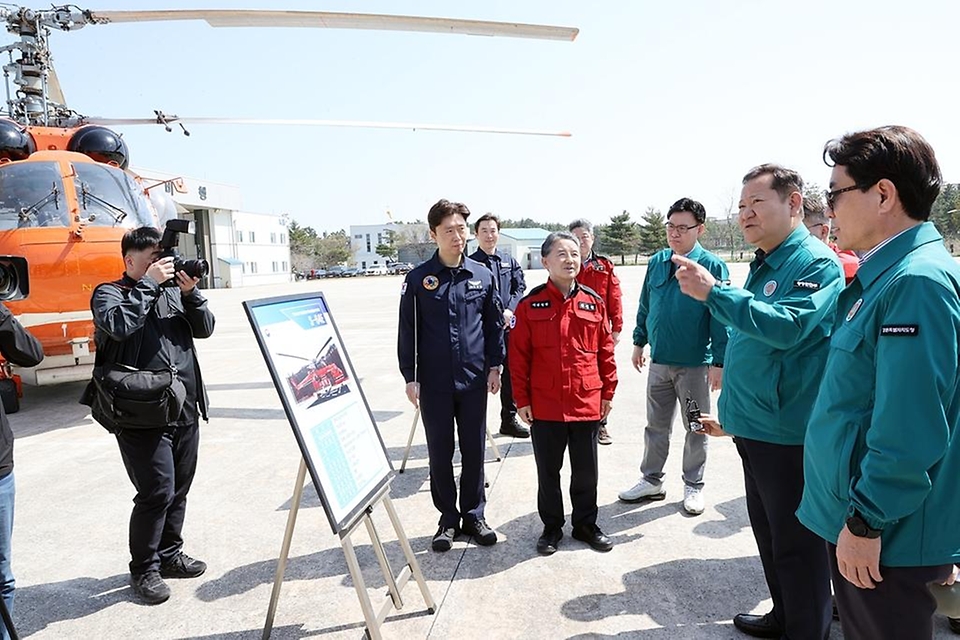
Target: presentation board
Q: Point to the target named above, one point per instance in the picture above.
(324, 403)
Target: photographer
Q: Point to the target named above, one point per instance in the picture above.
(21, 348)
(148, 320)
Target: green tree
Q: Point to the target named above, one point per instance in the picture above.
(945, 213)
(333, 248)
(621, 236)
(303, 247)
(388, 248)
(653, 231)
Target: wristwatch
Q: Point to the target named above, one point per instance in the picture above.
(859, 527)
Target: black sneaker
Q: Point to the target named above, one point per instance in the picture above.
(482, 534)
(443, 538)
(182, 566)
(515, 429)
(150, 587)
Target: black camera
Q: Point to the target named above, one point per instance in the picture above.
(168, 243)
(693, 416)
(14, 278)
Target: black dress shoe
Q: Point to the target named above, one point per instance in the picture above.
(764, 626)
(549, 539)
(515, 429)
(591, 534)
(954, 624)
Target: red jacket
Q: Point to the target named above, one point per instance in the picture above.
(849, 260)
(561, 355)
(597, 273)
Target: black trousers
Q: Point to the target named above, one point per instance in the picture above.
(508, 408)
(899, 607)
(161, 464)
(550, 440)
(794, 559)
(439, 412)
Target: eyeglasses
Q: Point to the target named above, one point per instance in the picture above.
(815, 224)
(831, 196)
(679, 228)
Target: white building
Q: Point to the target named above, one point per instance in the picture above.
(522, 244)
(364, 239)
(243, 248)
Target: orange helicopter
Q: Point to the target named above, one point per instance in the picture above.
(67, 195)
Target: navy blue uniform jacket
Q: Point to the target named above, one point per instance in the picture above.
(451, 326)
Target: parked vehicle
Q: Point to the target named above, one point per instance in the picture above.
(315, 274)
(399, 268)
(375, 270)
(351, 272)
(335, 272)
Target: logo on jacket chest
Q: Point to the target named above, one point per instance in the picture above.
(430, 283)
(769, 288)
(474, 285)
(587, 306)
(540, 304)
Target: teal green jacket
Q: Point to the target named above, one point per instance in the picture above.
(780, 324)
(681, 331)
(882, 438)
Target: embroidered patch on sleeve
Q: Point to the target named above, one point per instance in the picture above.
(900, 330)
(806, 284)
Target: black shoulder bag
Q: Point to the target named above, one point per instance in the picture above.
(122, 396)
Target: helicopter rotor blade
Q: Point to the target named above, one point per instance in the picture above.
(414, 126)
(290, 355)
(334, 20)
(54, 91)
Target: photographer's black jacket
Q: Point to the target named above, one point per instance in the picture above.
(20, 348)
(161, 324)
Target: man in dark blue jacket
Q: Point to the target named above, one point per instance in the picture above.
(508, 279)
(450, 347)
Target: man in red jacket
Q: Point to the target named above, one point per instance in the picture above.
(564, 376)
(597, 273)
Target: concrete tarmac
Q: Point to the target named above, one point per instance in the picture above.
(669, 576)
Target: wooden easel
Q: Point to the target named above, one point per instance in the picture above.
(413, 430)
(395, 583)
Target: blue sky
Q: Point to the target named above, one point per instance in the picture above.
(664, 100)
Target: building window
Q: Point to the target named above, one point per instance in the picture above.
(273, 238)
(368, 243)
(253, 267)
(253, 238)
(359, 236)
(243, 267)
(274, 265)
(239, 236)
(284, 266)
(283, 238)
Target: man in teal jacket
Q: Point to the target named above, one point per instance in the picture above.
(780, 324)
(686, 357)
(882, 457)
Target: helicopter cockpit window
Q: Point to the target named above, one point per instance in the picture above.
(31, 195)
(110, 197)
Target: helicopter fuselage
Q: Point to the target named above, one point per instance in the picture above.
(65, 214)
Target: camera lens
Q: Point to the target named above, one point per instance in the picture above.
(193, 268)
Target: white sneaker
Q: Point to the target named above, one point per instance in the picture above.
(643, 490)
(693, 500)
